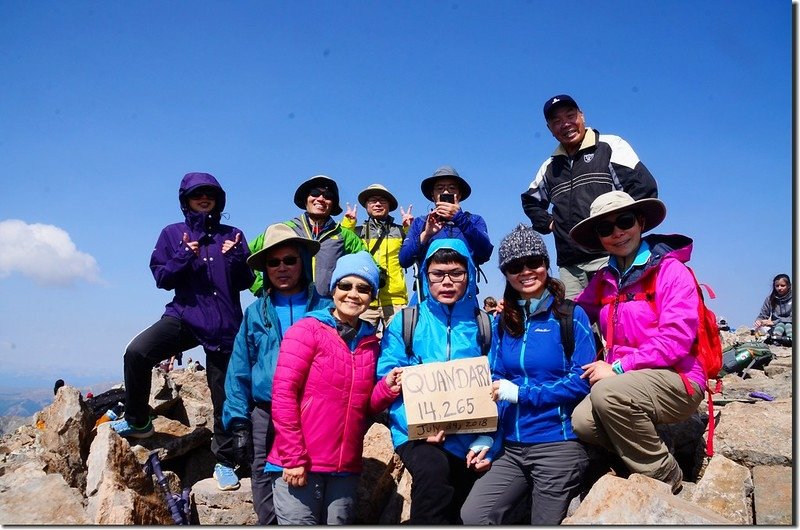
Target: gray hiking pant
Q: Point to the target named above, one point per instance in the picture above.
(325, 499)
(621, 413)
(576, 277)
(263, 436)
(550, 472)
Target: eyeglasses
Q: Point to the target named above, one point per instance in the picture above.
(455, 276)
(316, 192)
(274, 263)
(623, 222)
(211, 193)
(346, 287)
(532, 263)
(376, 200)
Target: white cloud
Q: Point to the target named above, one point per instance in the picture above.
(45, 254)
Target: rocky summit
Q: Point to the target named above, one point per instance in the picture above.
(61, 470)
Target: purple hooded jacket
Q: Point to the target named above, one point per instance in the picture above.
(206, 286)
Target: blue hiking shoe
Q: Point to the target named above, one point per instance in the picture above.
(123, 428)
(226, 477)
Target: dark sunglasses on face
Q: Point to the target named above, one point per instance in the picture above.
(288, 261)
(346, 287)
(532, 263)
(316, 192)
(623, 222)
(211, 193)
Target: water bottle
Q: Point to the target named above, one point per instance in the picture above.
(110, 415)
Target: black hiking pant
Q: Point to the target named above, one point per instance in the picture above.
(167, 337)
(440, 482)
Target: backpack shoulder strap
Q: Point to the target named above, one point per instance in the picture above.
(567, 324)
(410, 316)
(484, 330)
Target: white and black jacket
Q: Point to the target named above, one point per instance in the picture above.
(603, 163)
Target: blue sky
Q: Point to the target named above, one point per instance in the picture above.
(107, 104)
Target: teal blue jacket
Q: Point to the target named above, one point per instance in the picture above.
(443, 333)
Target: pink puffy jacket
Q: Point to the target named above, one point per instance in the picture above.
(644, 338)
(322, 396)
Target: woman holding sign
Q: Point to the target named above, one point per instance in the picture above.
(323, 392)
(537, 384)
(442, 467)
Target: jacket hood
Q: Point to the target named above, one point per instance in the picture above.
(674, 246)
(470, 294)
(326, 317)
(191, 181)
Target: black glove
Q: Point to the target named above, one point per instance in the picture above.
(242, 444)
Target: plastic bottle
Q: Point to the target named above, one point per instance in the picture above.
(110, 415)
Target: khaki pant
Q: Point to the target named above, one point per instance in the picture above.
(576, 277)
(621, 413)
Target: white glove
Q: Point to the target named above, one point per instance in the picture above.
(481, 442)
(508, 391)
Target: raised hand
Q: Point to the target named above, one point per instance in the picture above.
(228, 244)
(194, 246)
(432, 225)
(407, 216)
(350, 213)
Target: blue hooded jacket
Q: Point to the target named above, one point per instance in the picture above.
(206, 286)
(443, 333)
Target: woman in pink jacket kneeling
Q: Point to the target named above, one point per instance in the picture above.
(324, 392)
(646, 303)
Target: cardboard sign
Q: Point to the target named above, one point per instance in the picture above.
(453, 396)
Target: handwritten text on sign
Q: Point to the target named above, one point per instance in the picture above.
(453, 396)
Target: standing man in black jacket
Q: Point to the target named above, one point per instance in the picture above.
(585, 164)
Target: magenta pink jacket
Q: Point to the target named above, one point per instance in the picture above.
(323, 393)
(644, 338)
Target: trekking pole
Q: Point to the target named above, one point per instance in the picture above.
(179, 507)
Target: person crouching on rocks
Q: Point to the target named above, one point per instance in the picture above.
(646, 303)
(323, 392)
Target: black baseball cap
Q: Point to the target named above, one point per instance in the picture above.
(555, 102)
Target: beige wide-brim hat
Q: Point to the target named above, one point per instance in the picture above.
(653, 210)
(278, 234)
(381, 191)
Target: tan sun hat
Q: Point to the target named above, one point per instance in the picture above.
(379, 190)
(275, 235)
(653, 210)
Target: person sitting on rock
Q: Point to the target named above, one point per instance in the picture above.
(204, 262)
(775, 318)
(443, 467)
(646, 303)
(289, 293)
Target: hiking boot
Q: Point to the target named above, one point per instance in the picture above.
(123, 428)
(675, 479)
(226, 477)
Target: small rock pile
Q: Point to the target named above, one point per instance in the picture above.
(60, 470)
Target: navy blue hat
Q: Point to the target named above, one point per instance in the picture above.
(555, 102)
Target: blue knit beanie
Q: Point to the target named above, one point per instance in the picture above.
(359, 264)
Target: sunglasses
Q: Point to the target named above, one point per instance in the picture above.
(623, 222)
(211, 193)
(288, 261)
(532, 263)
(438, 276)
(316, 192)
(346, 287)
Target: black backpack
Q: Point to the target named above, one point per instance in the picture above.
(410, 317)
